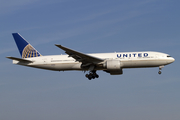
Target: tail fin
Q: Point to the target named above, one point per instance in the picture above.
(25, 49)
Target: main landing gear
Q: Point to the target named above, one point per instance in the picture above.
(160, 68)
(92, 75)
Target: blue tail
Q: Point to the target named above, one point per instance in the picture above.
(25, 49)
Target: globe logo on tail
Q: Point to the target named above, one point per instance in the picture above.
(29, 52)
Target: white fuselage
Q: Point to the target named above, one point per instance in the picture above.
(127, 60)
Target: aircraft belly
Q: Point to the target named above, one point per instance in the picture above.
(59, 66)
(68, 66)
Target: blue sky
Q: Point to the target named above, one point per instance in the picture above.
(90, 27)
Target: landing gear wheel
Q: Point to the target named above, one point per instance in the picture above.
(86, 75)
(97, 76)
(160, 68)
(92, 75)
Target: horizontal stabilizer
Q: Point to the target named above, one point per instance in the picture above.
(20, 59)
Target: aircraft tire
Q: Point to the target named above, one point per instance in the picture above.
(86, 75)
(90, 77)
(97, 76)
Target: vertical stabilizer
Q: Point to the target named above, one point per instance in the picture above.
(26, 50)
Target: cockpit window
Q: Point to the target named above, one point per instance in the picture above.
(168, 56)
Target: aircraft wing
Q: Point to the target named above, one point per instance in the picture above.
(20, 59)
(81, 57)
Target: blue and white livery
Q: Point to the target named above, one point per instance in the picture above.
(112, 63)
(25, 49)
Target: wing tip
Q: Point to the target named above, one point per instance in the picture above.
(60, 46)
(57, 45)
(8, 57)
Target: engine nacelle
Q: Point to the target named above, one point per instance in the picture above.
(113, 67)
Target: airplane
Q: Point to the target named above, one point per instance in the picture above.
(112, 63)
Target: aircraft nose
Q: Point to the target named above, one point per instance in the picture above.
(171, 60)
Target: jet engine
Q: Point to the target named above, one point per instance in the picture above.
(113, 67)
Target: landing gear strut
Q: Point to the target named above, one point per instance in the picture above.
(160, 68)
(92, 75)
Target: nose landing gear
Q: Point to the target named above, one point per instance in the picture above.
(92, 75)
(160, 68)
